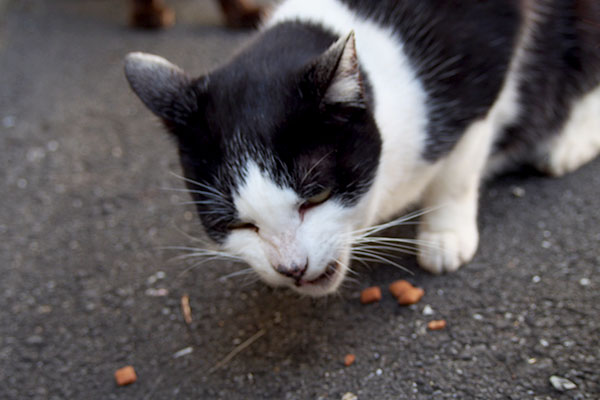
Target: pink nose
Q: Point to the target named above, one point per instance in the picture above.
(294, 271)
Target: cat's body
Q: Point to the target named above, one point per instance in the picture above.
(342, 113)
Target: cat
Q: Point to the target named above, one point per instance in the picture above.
(340, 114)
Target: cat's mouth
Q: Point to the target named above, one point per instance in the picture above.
(322, 280)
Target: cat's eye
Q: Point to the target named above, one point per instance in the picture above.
(315, 200)
(243, 225)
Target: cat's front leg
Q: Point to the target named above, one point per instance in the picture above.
(448, 234)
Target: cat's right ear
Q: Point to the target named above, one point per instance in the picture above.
(336, 75)
(162, 86)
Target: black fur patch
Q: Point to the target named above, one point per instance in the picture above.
(460, 49)
(561, 65)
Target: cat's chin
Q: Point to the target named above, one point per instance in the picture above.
(326, 283)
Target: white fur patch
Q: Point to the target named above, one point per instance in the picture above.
(284, 237)
(579, 141)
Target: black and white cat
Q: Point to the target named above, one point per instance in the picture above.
(341, 113)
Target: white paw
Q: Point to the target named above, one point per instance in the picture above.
(446, 251)
(579, 141)
(568, 155)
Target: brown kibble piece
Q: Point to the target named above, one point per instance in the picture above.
(405, 292)
(349, 359)
(436, 325)
(399, 287)
(370, 295)
(185, 309)
(411, 296)
(125, 376)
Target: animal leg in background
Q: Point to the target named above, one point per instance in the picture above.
(153, 14)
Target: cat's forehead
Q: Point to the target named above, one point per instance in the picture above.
(254, 106)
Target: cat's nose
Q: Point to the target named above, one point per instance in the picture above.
(294, 270)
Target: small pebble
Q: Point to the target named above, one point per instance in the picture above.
(536, 279)
(52, 145)
(518, 191)
(34, 339)
(427, 310)
(349, 396)
(8, 121)
(584, 281)
(161, 292)
(116, 152)
(561, 384)
(35, 154)
(183, 352)
(44, 309)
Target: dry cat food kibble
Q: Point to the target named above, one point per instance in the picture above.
(411, 296)
(125, 376)
(436, 325)
(370, 295)
(399, 287)
(349, 359)
(405, 292)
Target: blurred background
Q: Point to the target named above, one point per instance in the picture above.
(86, 285)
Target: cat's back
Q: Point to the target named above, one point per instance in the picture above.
(457, 51)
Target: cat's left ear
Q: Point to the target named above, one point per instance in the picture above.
(336, 73)
(162, 86)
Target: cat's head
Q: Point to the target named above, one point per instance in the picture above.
(280, 165)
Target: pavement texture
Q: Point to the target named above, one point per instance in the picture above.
(83, 218)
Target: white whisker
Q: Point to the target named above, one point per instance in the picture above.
(399, 241)
(396, 248)
(202, 185)
(236, 273)
(202, 241)
(380, 258)
(396, 222)
(350, 270)
(204, 261)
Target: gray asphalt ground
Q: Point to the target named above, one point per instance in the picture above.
(83, 218)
